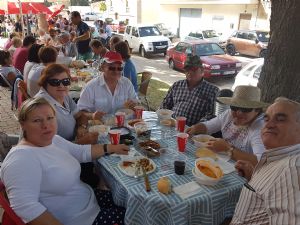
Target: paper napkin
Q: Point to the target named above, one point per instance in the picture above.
(187, 190)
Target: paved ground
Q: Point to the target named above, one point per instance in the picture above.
(8, 121)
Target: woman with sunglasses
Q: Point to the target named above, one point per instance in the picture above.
(110, 91)
(240, 125)
(41, 173)
(54, 82)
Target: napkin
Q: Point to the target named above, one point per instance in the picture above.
(187, 190)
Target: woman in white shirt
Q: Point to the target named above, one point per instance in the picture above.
(33, 59)
(41, 174)
(240, 125)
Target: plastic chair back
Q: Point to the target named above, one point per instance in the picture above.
(6, 81)
(145, 80)
(9, 217)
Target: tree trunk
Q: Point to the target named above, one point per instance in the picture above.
(280, 75)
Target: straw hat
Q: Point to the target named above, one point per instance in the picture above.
(244, 97)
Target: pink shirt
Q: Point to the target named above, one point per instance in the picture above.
(8, 44)
(20, 57)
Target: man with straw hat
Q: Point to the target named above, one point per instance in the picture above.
(193, 98)
(272, 194)
(240, 125)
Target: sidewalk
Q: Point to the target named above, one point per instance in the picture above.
(8, 121)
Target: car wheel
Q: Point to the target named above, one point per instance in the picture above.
(87, 19)
(171, 64)
(143, 52)
(165, 53)
(230, 49)
(263, 53)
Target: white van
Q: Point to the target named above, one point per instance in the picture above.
(146, 40)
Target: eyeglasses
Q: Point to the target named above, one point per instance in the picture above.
(57, 82)
(244, 110)
(112, 68)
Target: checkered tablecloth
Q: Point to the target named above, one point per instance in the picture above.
(211, 205)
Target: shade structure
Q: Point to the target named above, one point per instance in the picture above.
(27, 8)
(56, 10)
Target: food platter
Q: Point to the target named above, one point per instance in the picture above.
(130, 167)
(130, 123)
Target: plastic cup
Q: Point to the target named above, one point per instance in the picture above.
(179, 164)
(180, 123)
(139, 111)
(120, 116)
(181, 141)
(114, 136)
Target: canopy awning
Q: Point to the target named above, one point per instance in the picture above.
(27, 8)
(56, 9)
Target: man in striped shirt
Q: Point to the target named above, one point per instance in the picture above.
(272, 195)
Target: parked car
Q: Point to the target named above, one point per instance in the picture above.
(164, 30)
(146, 40)
(249, 75)
(215, 61)
(248, 42)
(91, 16)
(208, 35)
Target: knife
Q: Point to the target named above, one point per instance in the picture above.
(146, 179)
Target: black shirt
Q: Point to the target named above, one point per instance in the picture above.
(83, 46)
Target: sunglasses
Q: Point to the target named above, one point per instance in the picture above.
(243, 110)
(112, 68)
(57, 82)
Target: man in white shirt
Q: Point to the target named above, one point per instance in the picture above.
(273, 192)
(110, 91)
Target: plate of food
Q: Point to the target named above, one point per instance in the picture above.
(130, 123)
(204, 152)
(151, 148)
(133, 167)
(200, 140)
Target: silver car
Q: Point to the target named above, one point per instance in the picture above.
(208, 35)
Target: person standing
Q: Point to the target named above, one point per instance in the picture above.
(83, 37)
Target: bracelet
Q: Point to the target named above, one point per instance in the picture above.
(105, 150)
(230, 151)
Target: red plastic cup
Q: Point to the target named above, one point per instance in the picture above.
(138, 111)
(180, 121)
(181, 141)
(114, 136)
(120, 116)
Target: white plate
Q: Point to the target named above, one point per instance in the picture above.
(130, 170)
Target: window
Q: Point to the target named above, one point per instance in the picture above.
(128, 30)
(242, 35)
(134, 32)
(149, 31)
(181, 47)
(252, 37)
(257, 72)
(208, 49)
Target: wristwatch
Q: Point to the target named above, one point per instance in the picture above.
(230, 151)
(105, 150)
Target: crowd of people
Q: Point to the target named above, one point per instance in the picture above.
(42, 173)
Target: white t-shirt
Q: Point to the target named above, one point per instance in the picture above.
(97, 96)
(32, 80)
(28, 66)
(247, 139)
(48, 178)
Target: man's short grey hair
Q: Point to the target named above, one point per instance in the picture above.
(294, 103)
(64, 34)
